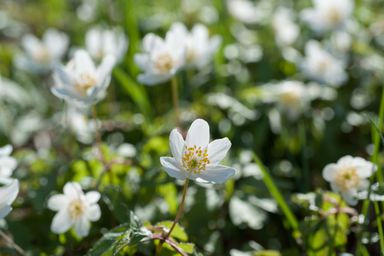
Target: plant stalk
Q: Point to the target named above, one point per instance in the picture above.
(177, 218)
(12, 243)
(175, 100)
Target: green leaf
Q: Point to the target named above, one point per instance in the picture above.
(187, 247)
(128, 234)
(134, 90)
(169, 192)
(178, 232)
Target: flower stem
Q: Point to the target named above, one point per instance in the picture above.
(379, 225)
(268, 181)
(375, 159)
(99, 148)
(12, 243)
(177, 218)
(175, 100)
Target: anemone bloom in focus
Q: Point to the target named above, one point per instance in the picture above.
(161, 59)
(349, 176)
(196, 158)
(80, 81)
(74, 209)
(8, 194)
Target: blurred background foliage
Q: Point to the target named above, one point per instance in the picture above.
(238, 218)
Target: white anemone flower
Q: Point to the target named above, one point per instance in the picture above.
(74, 209)
(101, 42)
(40, 56)
(7, 163)
(293, 97)
(80, 125)
(328, 14)
(322, 66)
(80, 81)
(349, 176)
(286, 30)
(8, 194)
(199, 47)
(160, 59)
(196, 158)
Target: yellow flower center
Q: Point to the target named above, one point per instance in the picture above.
(85, 82)
(334, 15)
(164, 63)
(76, 209)
(347, 178)
(42, 55)
(290, 98)
(195, 159)
(191, 55)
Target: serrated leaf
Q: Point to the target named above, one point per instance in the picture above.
(127, 234)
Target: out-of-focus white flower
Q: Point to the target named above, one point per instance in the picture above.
(80, 81)
(196, 158)
(349, 176)
(322, 66)
(286, 30)
(7, 163)
(101, 42)
(87, 10)
(291, 97)
(294, 97)
(8, 194)
(199, 48)
(126, 150)
(75, 209)
(41, 56)
(328, 14)
(341, 41)
(80, 125)
(161, 59)
(375, 195)
(244, 10)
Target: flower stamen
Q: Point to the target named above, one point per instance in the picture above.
(347, 178)
(195, 159)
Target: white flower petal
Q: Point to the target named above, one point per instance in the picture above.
(152, 79)
(218, 149)
(72, 190)
(350, 197)
(176, 143)
(83, 62)
(4, 211)
(329, 172)
(172, 168)
(9, 193)
(6, 150)
(82, 227)
(92, 197)
(105, 68)
(62, 222)
(7, 166)
(57, 202)
(93, 213)
(215, 174)
(198, 133)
